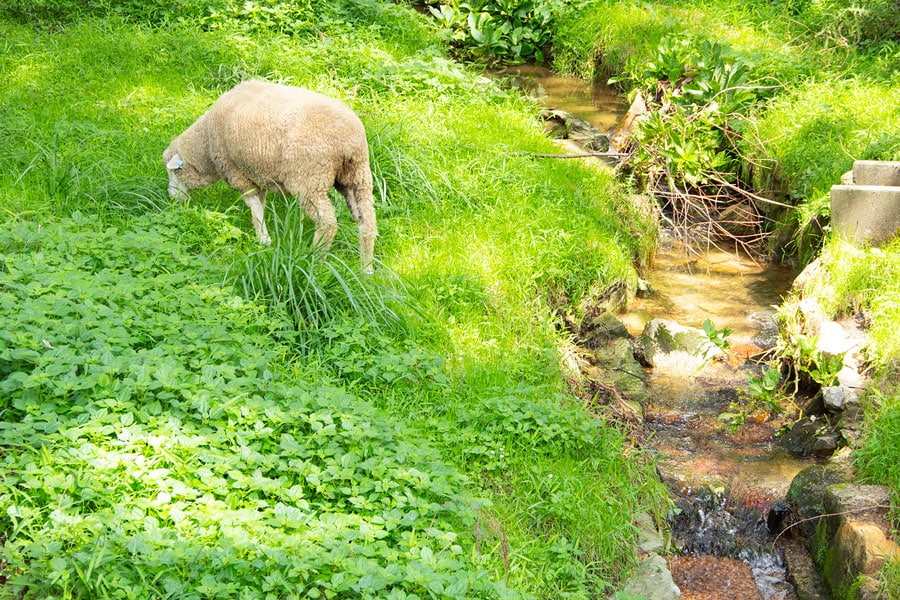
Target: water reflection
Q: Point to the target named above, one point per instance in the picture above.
(728, 288)
(600, 105)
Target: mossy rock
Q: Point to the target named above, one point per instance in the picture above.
(807, 491)
(620, 368)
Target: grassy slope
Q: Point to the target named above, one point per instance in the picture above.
(128, 462)
(835, 105)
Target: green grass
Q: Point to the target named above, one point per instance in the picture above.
(866, 280)
(184, 438)
(830, 70)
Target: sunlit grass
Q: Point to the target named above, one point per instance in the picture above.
(832, 97)
(866, 280)
(815, 136)
(475, 231)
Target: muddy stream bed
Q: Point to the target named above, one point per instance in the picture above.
(724, 485)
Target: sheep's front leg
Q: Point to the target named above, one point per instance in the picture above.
(256, 200)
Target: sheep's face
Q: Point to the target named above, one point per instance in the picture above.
(175, 167)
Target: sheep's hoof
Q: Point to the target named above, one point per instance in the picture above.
(265, 241)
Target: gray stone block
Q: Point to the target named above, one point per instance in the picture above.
(876, 172)
(865, 213)
(652, 581)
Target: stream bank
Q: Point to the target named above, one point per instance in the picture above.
(730, 488)
(723, 483)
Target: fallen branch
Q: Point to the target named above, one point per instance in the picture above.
(582, 155)
(838, 514)
(751, 195)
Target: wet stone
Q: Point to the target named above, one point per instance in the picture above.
(672, 347)
(777, 517)
(802, 573)
(811, 437)
(767, 329)
(563, 124)
(652, 581)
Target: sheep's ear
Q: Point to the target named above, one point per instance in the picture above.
(175, 163)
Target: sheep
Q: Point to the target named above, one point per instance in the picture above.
(261, 136)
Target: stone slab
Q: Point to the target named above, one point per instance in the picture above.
(876, 172)
(854, 502)
(802, 573)
(865, 213)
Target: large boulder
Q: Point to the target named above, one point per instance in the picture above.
(669, 346)
(854, 540)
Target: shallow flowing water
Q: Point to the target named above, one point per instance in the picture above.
(723, 484)
(601, 106)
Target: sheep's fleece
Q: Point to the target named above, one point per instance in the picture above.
(262, 136)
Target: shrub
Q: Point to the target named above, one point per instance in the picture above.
(687, 149)
(510, 30)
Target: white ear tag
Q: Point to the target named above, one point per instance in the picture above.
(175, 163)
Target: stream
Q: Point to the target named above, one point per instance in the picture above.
(723, 484)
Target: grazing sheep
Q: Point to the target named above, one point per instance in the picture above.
(261, 136)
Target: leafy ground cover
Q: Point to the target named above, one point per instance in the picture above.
(150, 449)
(180, 422)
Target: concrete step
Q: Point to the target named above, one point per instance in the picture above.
(865, 208)
(876, 172)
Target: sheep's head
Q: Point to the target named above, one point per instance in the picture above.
(175, 167)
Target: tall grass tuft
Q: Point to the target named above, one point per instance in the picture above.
(315, 287)
(395, 173)
(134, 195)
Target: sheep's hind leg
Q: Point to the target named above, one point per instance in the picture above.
(362, 207)
(320, 210)
(256, 200)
